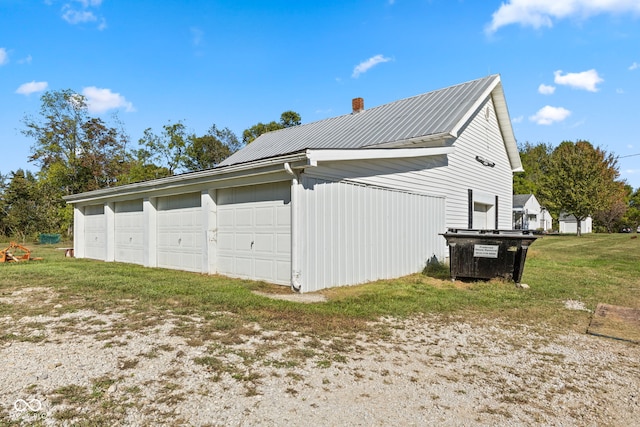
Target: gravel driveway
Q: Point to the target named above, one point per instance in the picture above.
(93, 368)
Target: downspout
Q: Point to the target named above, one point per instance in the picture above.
(295, 259)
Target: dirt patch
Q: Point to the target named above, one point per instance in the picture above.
(306, 298)
(613, 321)
(89, 368)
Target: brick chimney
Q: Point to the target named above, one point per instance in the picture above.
(357, 104)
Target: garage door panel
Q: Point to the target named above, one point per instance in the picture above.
(283, 271)
(244, 217)
(95, 232)
(128, 234)
(264, 268)
(226, 218)
(261, 229)
(283, 216)
(226, 241)
(243, 266)
(264, 243)
(265, 216)
(283, 245)
(181, 235)
(243, 242)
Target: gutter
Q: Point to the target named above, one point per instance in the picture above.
(183, 179)
(296, 286)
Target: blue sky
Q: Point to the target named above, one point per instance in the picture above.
(570, 68)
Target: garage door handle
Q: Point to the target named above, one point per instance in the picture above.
(252, 242)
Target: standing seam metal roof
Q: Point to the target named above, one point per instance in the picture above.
(419, 116)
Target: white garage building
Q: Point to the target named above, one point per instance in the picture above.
(342, 201)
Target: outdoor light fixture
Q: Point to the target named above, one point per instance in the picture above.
(485, 162)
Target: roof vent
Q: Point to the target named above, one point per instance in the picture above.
(357, 104)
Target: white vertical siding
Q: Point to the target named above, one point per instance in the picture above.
(150, 231)
(355, 234)
(449, 176)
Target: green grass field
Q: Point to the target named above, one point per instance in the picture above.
(589, 269)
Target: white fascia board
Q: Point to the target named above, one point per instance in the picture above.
(439, 138)
(496, 92)
(316, 156)
(504, 121)
(188, 179)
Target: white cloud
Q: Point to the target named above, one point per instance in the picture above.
(365, 66)
(78, 16)
(101, 100)
(32, 87)
(26, 60)
(4, 56)
(197, 36)
(548, 115)
(620, 91)
(518, 119)
(546, 89)
(586, 80)
(634, 66)
(542, 13)
(82, 12)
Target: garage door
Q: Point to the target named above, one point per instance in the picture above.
(95, 232)
(180, 232)
(129, 223)
(254, 232)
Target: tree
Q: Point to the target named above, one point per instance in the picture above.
(287, 119)
(140, 167)
(631, 217)
(4, 231)
(75, 152)
(26, 209)
(580, 180)
(534, 160)
(205, 152)
(609, 218)
(166, 149)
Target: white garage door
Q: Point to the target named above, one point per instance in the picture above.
(129, 223)
(254, 232)
(95, 232)
(180, 232)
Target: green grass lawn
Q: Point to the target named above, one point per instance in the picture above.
(589, 269)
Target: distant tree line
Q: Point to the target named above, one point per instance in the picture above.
(578, 179)
(75, 152)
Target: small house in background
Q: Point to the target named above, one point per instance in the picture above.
(567, 224)
(529, 215)
(346, 200)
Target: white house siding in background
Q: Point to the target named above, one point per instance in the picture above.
(568, 224)
(180, 233)
(128, 231)
(354, 233)
(254, 232)
(529, 215)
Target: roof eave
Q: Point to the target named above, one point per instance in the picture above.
(316, 156)
(257, 167)
(496, 92)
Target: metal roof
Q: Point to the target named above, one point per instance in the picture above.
(432, 115)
